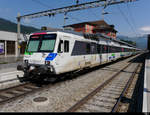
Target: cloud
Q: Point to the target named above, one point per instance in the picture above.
(145, 29)
(27, 21)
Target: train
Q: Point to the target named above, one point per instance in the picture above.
(52, 53)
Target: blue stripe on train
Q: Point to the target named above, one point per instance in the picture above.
(112, 57)
(51, 57)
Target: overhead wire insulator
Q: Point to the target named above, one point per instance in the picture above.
(77, 2)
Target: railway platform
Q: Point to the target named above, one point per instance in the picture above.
(146, 90)
(10, 62)
(10, 59)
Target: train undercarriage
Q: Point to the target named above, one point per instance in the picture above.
(36, 73)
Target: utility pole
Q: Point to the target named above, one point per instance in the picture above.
(65, 18)
(77, 2)
(103, 13)
(18, 36)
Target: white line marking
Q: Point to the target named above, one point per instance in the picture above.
(145, 87)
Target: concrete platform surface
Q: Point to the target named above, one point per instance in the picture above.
(10, 59)
(10, 62)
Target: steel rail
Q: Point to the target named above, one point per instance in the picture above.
(116, 106)
(16, 86)
(11, 89)
(22, 89)
(33, 90)
(90, 95)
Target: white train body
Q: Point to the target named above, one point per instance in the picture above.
(60, 52)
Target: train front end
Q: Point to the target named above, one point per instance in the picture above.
(39, 57)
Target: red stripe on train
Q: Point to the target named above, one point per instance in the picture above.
(40, 33)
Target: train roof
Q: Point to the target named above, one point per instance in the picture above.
(90, 36)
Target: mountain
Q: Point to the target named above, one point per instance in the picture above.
(141, 42)
(6, 25)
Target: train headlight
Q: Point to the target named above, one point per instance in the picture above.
(26, 61)
(47, 63)
(31, 68)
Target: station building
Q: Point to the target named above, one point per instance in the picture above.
(8, 44)
(93, 27)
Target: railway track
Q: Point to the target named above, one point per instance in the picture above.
(107, 97)
(13, 93)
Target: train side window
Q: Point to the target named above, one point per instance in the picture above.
(66, 46)
(60, 47)
(102, 49)
(93, 48)
(110, 49)
(98, 48)
(105, 49)
(88, 48)
(113, 49)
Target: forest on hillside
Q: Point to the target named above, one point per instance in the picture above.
(6, 25)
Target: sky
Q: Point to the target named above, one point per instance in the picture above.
(130, 19)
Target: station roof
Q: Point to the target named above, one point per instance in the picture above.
(100, 24)
(9, 36)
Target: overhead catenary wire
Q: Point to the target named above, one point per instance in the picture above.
(72, 8)
(106, 3)
(42, 4)
(127, 20)
(132, 19)
(66, 14)
(74, 18)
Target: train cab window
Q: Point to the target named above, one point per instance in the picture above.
(66, 46)
(60, 47)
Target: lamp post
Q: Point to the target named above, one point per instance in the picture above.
(18, 36)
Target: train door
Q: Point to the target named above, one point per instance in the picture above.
(60, 51)
(64, 53)
(105, 54)
(99, 48)
(93, 53)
